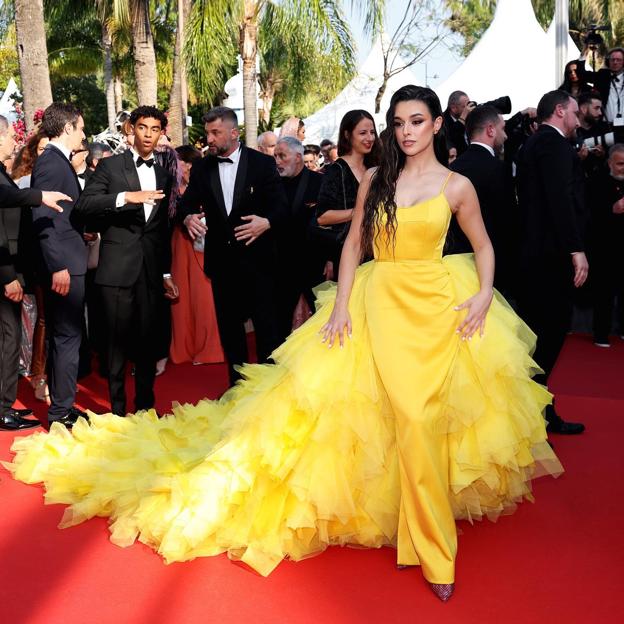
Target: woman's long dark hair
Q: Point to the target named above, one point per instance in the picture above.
(566, 85)
(380, 200)
(347, 125)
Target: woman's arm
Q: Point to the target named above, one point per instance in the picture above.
(465, 204)
(339, 321)
(332, 217)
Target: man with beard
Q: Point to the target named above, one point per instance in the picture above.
(552, 233)
(591, 127)
(493, 182)
(238, 191)
(301, 268)
(606, 188)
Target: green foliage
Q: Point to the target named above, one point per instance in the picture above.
(470, 18)
(9, 64)
(86, 93)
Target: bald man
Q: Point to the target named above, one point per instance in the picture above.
(267, 142)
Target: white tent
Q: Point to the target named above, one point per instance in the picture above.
(7, 105)
(360, 92)
(514, 57)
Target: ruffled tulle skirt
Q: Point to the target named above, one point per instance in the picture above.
(302, 454)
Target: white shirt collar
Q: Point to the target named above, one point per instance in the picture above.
(136, 155)
(235, 155)
(489, 148)
(557, 129)
(62, 148)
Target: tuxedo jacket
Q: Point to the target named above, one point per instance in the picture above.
(257, 191)
(493, 183)
(13, 236)
(128, 242)
(551, 198)
(455, 133)
(59, 236)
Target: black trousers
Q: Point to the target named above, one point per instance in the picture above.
(10, 339)
(545, 303)
(64, 323)
(131, 321)
(607, 278)
(245, 292)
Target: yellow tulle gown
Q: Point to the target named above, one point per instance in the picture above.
(382, 443)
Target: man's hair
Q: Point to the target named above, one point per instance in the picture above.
(188, 153)
(480, 117)
(56, 116)
(616, 149)
(263, 136)
(96, 152)
(293, 144)
(143, 112)
(549, 102)
(221, 112)
(326, 143)
(4, 124)
(311, 148)
(586, 98)
(455, 97)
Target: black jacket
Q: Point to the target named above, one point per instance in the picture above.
(128, 242)
(257, 191)
(455, 133)
(551, 197)
(601, 80)
(61, 245)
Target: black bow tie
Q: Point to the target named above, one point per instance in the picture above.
(141, 161)
(225, 160)
(81, 175)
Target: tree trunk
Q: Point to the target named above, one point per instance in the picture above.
(178, 99)
(118, 90)
(249, 52)
(267, 95)
(144, 55)
(380, 94)
(32, 52)
(109, 87)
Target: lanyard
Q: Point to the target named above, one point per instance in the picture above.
(618, 92)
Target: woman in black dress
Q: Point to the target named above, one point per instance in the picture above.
(358, 149)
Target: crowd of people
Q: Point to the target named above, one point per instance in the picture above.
(174, 253)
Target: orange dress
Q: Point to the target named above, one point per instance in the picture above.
(194, 332)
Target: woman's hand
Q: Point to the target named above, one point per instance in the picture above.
(338, 323)
(477, 307)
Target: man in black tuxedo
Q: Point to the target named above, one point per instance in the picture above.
(552, 245)
(239, 192)
(62, 258)
(300, 267)
(455, 115)
(609, 82)
(493, 182)
(127, 201)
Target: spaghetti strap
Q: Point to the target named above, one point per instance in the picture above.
(448, 177)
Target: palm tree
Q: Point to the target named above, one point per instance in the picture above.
(33, 57)
(211, 44)
(178, 99)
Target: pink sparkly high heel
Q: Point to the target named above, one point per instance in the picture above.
(443, 591)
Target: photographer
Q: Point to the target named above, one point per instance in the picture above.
(609, 82)
(592, 137)
(518, 129)
(458, 109)
(606, 188)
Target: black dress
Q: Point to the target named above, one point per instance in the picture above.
(338, 191)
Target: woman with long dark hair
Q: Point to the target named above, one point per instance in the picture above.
(574, 79)
(358, 150)
(421, 416)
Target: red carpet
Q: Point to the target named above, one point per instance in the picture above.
(556, 561)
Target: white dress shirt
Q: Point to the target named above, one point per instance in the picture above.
(616, 96)
(489, 148)
(227, 175)
(147, 180)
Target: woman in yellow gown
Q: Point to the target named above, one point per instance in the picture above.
(425, 414)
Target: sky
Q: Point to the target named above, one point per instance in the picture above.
(440, 62)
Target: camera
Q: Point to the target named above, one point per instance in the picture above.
(501, 104)
(606, 140)
(593, 39)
